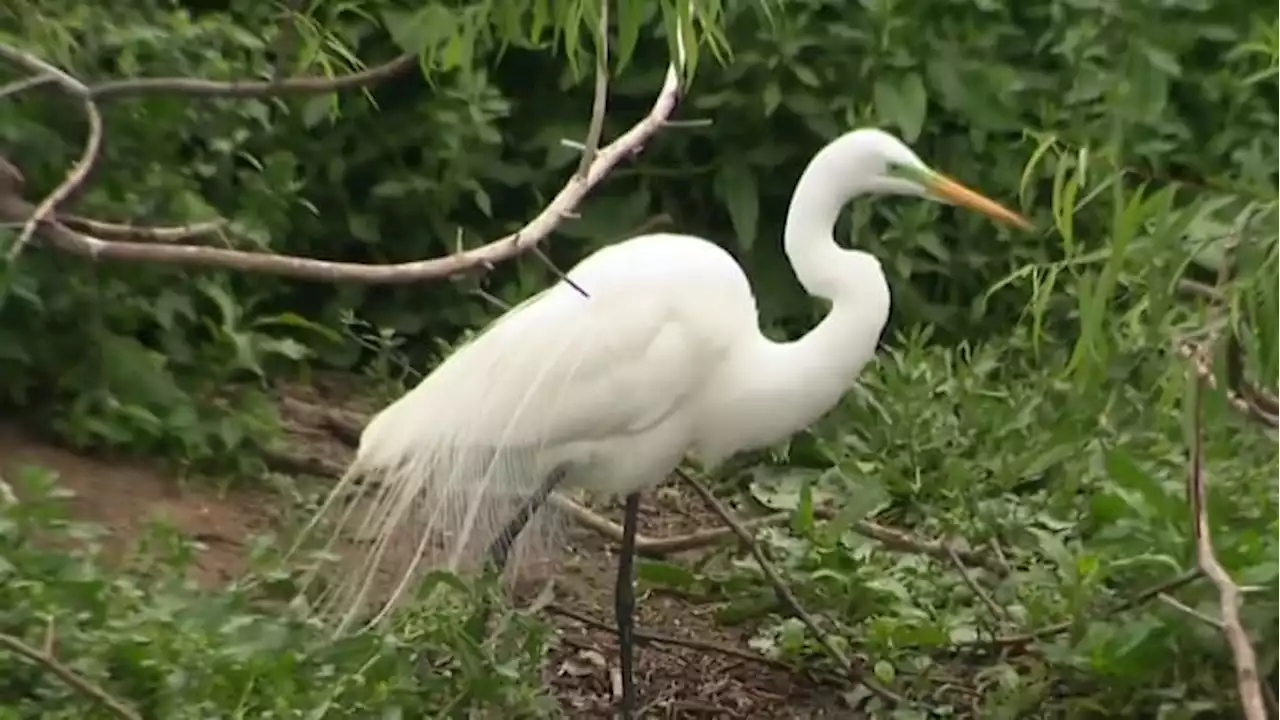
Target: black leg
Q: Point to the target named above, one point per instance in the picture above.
(625, 605)
(501, 547)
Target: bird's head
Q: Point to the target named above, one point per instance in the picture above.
(884, 165)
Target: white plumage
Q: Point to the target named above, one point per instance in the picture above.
(662, 358)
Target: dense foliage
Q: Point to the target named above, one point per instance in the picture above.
(1030, 395)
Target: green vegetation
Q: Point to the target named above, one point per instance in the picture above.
(1033, 406)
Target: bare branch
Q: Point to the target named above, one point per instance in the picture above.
(70, 677)
(79, 173)
(1200, 368)
(62, 237)
(1228, 592)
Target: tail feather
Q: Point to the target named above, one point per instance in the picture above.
(441, 471)
(413, 517)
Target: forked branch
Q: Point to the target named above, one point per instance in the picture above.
(1229, 595)
(1200, 369)
(73, 679)
(148, 247)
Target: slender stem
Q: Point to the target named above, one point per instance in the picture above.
(625, 605)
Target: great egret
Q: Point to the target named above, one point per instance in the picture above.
(649, 351)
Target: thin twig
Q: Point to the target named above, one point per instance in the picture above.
(660, 639)
(956, 561)
(49, 636)
(123, 231)
(17, 86)
(208, 89)
(595, 128)
(79, 173)
(286, 38)
(788, 598)
(70, 677)
(600, 99)
(1182, 607)
(1138, 599)
(555, 269)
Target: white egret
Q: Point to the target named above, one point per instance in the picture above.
(650, 352)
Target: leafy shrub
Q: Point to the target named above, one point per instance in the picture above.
(149, 638)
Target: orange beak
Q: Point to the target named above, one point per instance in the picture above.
(957, 194)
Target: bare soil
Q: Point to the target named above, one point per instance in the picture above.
(675, 681)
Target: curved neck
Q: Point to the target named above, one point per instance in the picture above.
(785, 387)
(823, 190)
(823, 364)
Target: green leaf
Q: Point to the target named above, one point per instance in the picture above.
(1150, 500)
(666, 574)
(902, 103)
(363, 227)
(137, 374)
(735, 185)
(772, 97)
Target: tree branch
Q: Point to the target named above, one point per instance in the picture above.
(70, 677)
(88, 156)
(1228, 592)
(62, 237)
(1200, 373)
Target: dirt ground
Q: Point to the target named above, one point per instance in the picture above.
(674, 681)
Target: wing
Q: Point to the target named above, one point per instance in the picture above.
(559, 370)
(658, 319)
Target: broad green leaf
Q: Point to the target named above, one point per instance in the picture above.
(914, 106)
(735, 184)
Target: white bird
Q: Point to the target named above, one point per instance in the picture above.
(649, 352)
